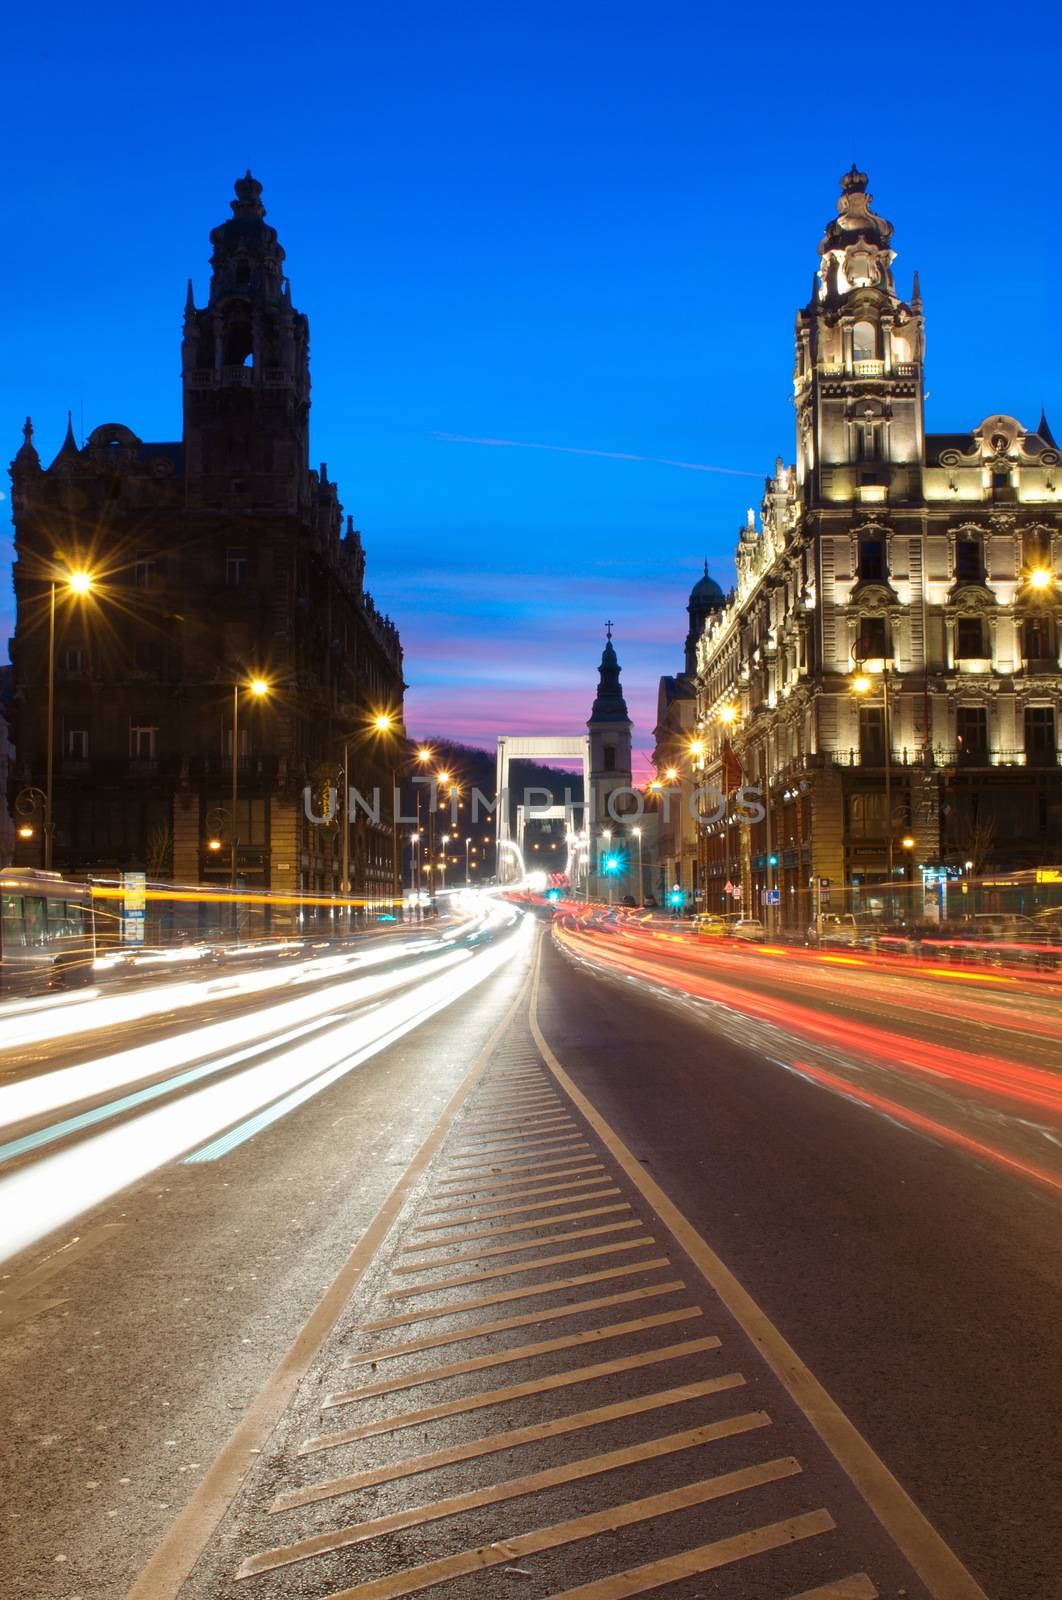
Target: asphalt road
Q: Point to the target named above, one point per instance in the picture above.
(912, 1265)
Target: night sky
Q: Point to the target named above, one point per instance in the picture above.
(583, 228)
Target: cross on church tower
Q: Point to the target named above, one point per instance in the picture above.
(608, 631)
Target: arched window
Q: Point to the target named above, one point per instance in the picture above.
(864, 342)
(239, 345)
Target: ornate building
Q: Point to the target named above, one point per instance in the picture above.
(676, 745)
(888, 668)
(217, 559)
(609, 728)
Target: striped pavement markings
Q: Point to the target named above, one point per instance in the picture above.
(486, 1269)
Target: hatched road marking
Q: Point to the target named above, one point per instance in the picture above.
(673, 1482)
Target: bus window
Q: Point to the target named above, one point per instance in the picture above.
(34, 924)
(75, 918)
(13, 934)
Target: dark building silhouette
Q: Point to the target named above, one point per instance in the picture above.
(216, 559)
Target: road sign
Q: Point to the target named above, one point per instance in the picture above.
(772, 897)
(134, 906)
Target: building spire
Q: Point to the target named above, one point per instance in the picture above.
(1044, 430)
(68, 448)
(916, 291)
(27, 457)
(609, 705)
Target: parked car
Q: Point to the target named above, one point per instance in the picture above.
(750, 928)
(1008, 927)
(834, 928)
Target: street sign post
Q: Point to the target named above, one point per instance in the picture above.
(134, 906)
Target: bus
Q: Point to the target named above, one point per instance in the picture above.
(47, 931)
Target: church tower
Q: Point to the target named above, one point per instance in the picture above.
(246, 374)
(858, 379)
(610, 741)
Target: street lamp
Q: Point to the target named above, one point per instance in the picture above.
(257, 688)
(77, 583)
(641, 874)
(384, 722)
(1041, 578)
(728, 716)
(468, 879)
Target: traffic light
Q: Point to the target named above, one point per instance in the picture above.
(676, 897)
(553, 894)
(612, 863)
(772, 861)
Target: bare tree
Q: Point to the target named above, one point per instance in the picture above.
(158, 853)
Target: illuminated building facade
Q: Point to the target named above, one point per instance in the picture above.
(215, 559)
(924, 570)
(678, 868)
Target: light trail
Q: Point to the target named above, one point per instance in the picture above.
(58, 1188)
(929, 1125)
(808, 970)
(50, 1091)
(912, 1060)
(71, 1015)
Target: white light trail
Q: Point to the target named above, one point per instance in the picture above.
(71, 1015)
(58, 1188)
(50, 1091)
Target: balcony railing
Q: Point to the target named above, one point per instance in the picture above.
(941, 756)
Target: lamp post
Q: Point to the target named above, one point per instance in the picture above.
(641, 874)
(424, 755)
(74, 583)
(606, 834)
(728, 717)
(442, 859)
(861, 684)
(468, 879)
(384, 722)
(258, 688)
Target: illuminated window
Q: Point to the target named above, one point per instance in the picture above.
(237, 566)
(969, 637)
(146, 570)
(971, 732)
(864, 342)
(872, 559)
(1040, 734)
(969, 559)
(873, 640)
(1036, 548)
(1038, 639)
(871, 734)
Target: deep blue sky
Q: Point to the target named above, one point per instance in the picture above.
(585, 226)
